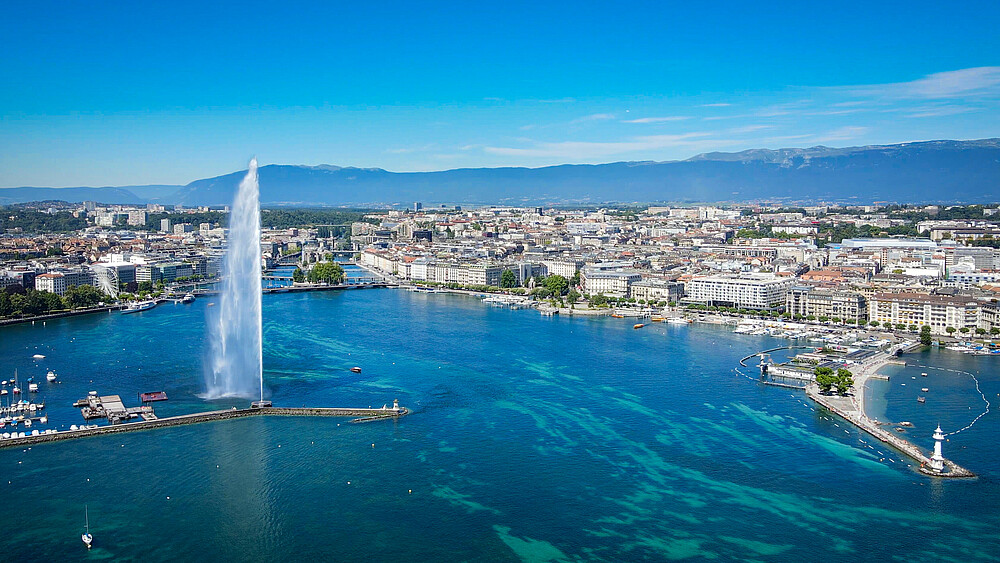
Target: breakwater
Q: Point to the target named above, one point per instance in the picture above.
(366, 415)
(843, 408)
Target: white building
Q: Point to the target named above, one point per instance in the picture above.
(51, 282)
(751, 291)
(613, 283)
(937, 311)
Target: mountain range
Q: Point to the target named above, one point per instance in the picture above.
(930, 171)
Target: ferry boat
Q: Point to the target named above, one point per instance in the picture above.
(139, 306)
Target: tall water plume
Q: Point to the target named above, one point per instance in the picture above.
(236, 368)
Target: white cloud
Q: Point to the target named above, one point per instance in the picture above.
(841, 134)
(938, 111)
(594, 117)
(658, 119)
(718, 105)
(940, 85)
(583, 150)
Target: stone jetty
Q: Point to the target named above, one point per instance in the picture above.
(365, 415)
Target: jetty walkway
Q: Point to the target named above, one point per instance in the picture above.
(846, 408)
(365, 415)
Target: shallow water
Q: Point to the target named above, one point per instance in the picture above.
(532, 438)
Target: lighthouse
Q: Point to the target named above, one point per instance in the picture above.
(937, 460)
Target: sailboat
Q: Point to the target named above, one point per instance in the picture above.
(87, 538)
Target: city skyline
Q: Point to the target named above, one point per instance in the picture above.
(137, 96)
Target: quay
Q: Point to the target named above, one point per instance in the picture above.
(847, 409)
(366, 415)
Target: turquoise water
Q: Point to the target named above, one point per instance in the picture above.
(532, 438)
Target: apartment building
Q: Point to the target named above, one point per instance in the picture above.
(937, 311)
(751, 291)
(807, 300)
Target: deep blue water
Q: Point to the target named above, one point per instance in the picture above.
(532, 438)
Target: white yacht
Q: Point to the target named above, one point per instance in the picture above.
(51, 376)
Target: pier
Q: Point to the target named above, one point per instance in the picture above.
(846, 409)
(365, 415)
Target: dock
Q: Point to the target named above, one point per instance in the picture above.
(844, 407)
(365, 415)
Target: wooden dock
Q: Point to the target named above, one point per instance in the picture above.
(210, 416)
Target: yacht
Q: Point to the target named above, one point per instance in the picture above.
(51, 376)
(188, 298)
(87, 538)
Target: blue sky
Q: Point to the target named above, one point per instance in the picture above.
(121, 93)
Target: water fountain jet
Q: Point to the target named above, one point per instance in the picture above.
(236, 365)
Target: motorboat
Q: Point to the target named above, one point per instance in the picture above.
(38, 357)
(51, 376)
(139, 306)
(188, 298)
(356, 369)
(678, 321)
(638, 325)
(32, 388)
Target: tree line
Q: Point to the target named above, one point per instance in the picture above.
(16, 301)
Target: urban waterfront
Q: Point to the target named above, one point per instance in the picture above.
(532, 438)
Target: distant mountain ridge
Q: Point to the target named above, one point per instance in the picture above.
(908, 172)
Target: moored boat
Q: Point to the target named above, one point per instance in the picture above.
(139, 306)
(188, 298)
(51, 376)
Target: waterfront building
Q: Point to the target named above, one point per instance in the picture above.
(51, 282)
(751, 291)
(807, 300)
(937, 311)
(657, 290)
(613, 283)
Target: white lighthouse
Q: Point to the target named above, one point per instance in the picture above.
(937, 460)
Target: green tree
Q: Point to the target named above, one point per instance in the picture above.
(925, 335)
(874, 323)
(964, 330)
(845, 379)
(145, 287)
(573, 296)
(950, 330)
(326, 272)
(900, 326)
(508, 279)
(980, 331)
(994, 331)
(298, 276)
(598, 300)
(557, 284)
(825, 379)
(84, 296)
(6, 307)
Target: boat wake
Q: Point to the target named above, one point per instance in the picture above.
(978, 389)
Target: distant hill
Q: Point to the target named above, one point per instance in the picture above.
(944, 171)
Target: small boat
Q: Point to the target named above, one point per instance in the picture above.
(32, 388)
(38, 357)
(924, 374)
(51, 376)
(188, 298)
(906, 423)
(921, 399)
(87, 538)
(138, 307)
(356, 369)
(657, 319)
(16, 390)
(638, 325)
(924, 389)
(3, 391)
(617, 316)
(677, 321)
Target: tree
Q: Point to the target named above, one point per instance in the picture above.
(845, 379)
(84, 296)
(824, 318)
(874, 323)
(810, 317)
(298, 276)
(964, 330)
(144, 287)
(573, 296)
(557, 284)
(575, 280)
(326, 272)
(994, 331)
(6, 307)
(950, 330)
(900, 326)
(508, 279)
(980, 331)
(825, 379)
(925, 335)
(598, 300)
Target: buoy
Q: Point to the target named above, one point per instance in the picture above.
(348, 482)
(168, 498)
(411, 491)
